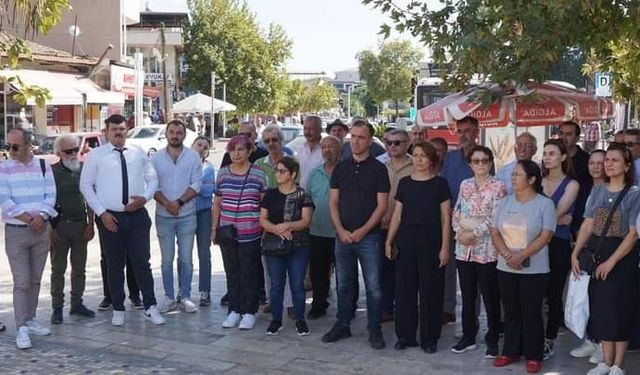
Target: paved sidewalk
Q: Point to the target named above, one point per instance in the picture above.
(196, 343)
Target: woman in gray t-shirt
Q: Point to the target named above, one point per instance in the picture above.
(523, 225)
(613, 289)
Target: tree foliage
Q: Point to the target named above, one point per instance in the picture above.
(362, 103)
(388, 73)
(31, 17)
(319, 96)
(513, 42)
(224, 36)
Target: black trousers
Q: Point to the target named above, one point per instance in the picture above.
(320, 260)
(132, 242)
(522, 297)
(560, 265)
(417, 273)
(132, 285)
(387, 279)
(485, 276)
(242, 262)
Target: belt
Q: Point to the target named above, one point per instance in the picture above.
(125, 212)
(16, 225)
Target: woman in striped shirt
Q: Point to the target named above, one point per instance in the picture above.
(239, 189)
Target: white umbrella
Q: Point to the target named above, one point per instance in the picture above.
(202, 103)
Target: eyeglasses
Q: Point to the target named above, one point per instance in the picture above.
(14, 146)
(271, 140)
(71, 151)
(394, 143)
(246, 134)
(282, 170)
(480, 161)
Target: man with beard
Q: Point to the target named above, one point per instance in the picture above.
(71, 230)
(179, 180)
(117, 181)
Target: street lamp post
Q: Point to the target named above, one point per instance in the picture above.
(349, 89)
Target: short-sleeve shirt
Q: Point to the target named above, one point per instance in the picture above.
(285, 208)
(241, 207)
(520, 223)
(421, 201)
(321, 224)
(599, 204)
(359, 183)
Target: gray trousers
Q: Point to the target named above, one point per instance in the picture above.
(70, 234)
(27, 252)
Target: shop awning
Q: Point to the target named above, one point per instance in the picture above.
(64, 88)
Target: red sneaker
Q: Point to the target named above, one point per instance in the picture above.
(503, 360)
(533, 367)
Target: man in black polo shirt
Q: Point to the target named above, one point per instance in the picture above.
(357, 202)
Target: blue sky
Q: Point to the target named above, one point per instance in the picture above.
(327, 34)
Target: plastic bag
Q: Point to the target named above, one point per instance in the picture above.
(576, 310)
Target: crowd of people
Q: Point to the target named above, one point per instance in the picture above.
(415, 217)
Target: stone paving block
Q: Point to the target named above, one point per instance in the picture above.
(205, 365)
(127, 349)
(249, 345)
(308, 366)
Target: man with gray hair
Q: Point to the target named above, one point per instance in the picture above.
(273, 139)
(524, 149)
(70, 231)
(418, 133)
(27, 198)
(309, 153)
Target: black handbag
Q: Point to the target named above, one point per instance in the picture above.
(589, 258)
(275, 246)
(228, 234)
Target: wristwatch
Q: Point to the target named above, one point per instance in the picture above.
(44, 215)
(180, 202)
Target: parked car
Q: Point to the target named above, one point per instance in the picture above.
(86, 140)
(152, 138)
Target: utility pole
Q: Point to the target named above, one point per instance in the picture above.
(224, 113)
(165, 85)
(213, 100)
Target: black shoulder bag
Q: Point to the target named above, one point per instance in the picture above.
(228, 234)
(589, 258)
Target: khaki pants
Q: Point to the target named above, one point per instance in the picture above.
(71, 238)
(27, 252)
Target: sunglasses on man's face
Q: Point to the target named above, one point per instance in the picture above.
(71, 151)
(14, 147)
(271, 140)
(394, 143)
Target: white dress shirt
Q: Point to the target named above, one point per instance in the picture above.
(174, 178)
(101, 177)
(308, 159)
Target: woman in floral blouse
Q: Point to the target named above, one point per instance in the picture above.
(476, 258)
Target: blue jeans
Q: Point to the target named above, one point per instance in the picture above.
(295, 265)
(184, 229)
(203, 239)
(368, 253)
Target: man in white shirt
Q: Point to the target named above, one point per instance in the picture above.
(117, 182)
(525, 148)
(179, 180)
(309, 153)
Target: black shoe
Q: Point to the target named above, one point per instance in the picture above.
(464, 345)
(316, 314)
(224, 301)
(136, 302)
(491, 352)
(302, 329)
(105, 304)
(56, 316)
(205, 299)
(2, 327)
(402, 344)
(274, 328)
(336, 333)
(429, 348)
(82, 310)
(376, 339)
(262, 300)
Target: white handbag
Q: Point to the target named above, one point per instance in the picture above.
(576, 310)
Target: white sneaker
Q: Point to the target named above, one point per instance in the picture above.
(167, 304)
(118, 318)
(248, 321)
(37, 328)
(232, 320)
(615, 370)
(153, 315)
(601, 369)
(586, 349)
(597, 356)
(188, 305)
(23, 341)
